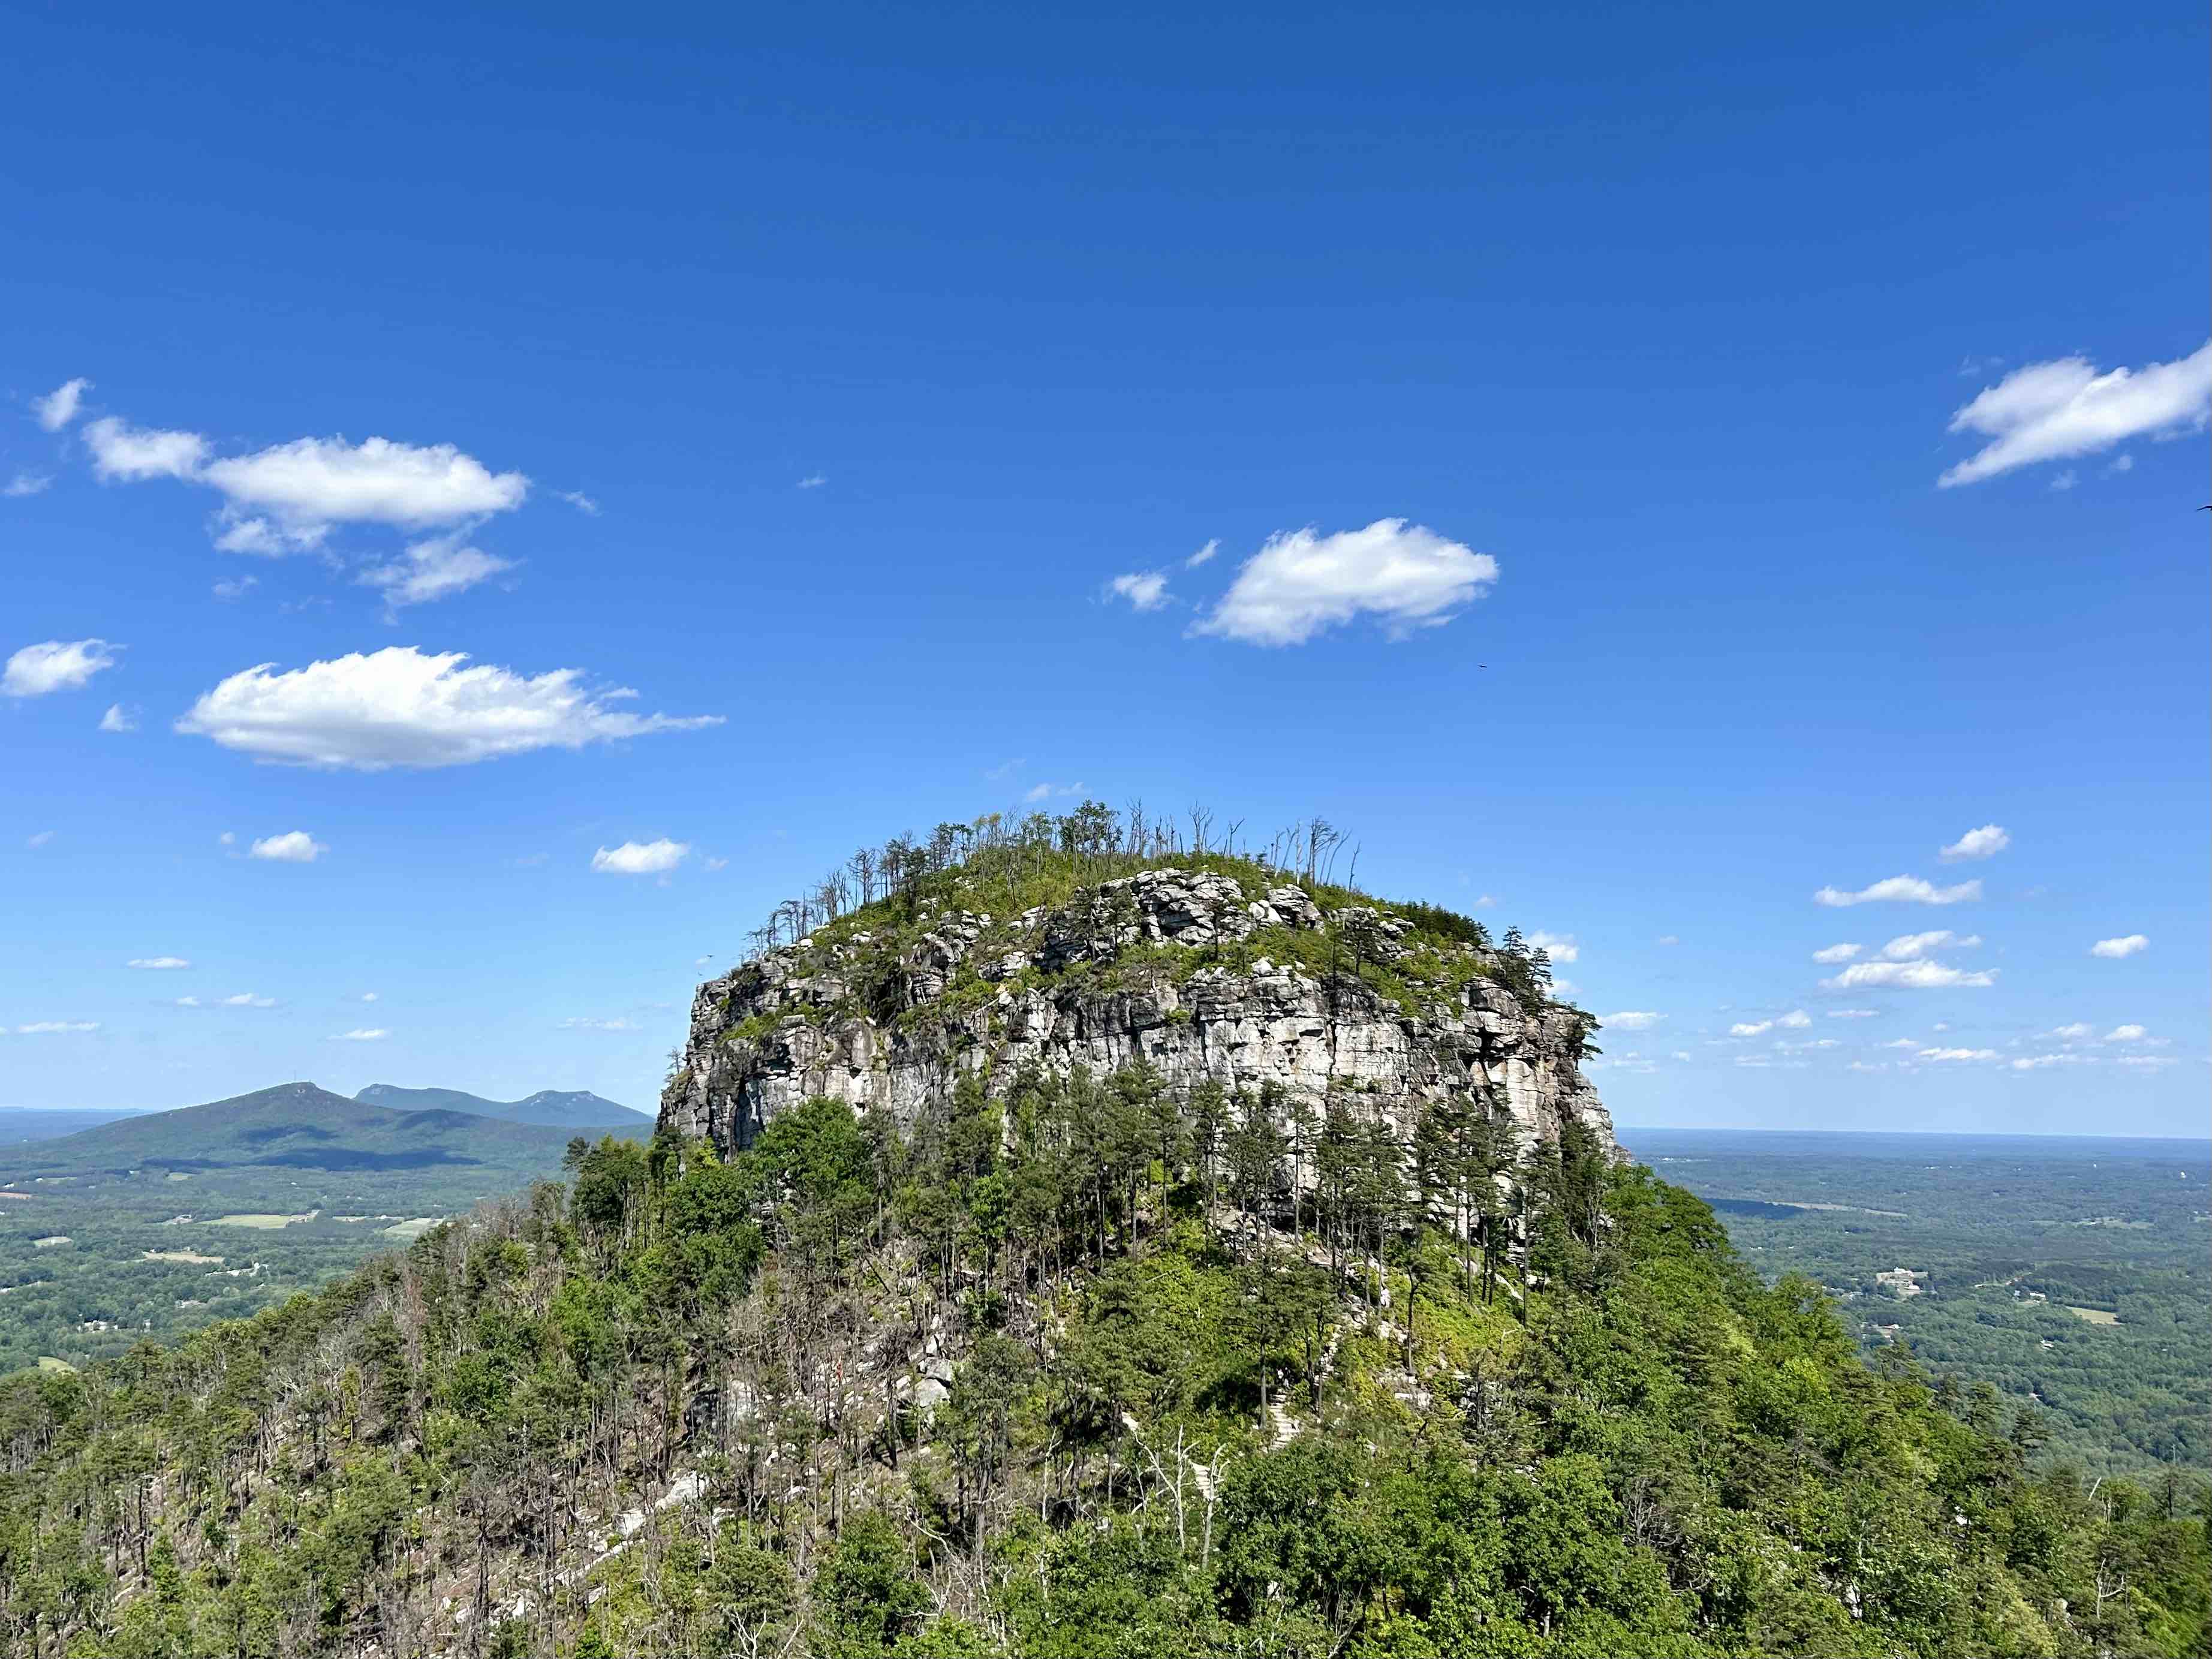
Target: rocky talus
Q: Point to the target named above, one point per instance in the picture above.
(876, 1023)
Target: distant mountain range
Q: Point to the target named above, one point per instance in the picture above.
(564, 1109)
(299, 1126)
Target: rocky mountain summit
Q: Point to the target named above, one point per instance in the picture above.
(1214, 969)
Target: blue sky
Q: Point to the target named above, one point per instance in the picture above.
(1568, 399)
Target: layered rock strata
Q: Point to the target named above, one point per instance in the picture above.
(858, 1019)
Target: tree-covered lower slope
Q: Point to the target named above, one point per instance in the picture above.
(1098, 1371)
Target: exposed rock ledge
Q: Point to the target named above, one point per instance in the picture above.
(818, 1018)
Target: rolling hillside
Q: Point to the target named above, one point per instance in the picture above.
(294, 1126)
(565, 1109)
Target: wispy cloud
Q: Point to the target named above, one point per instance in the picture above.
(583, 503)
(814, 481)
(2126, 944)
(118, 719)
(1559, 947)
(159, 965)
(1913, 947)
(1835, 953)
(361, 1034)
(1899, 889)
(1051, 791)
(51, 665)
(26, 483)
(1204, 555)
(1632, 1019)
(57, 1027)
(1796, 1020)
(59, 407)
(582, 1023)
(2065, 408)
(1146, 589)
(1907, 976)
(1985, 842)
(435, 568)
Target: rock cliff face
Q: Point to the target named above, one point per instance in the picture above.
(1126, 970)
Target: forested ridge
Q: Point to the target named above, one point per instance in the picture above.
(1097, 1369)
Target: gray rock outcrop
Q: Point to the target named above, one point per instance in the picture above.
(850, 1018)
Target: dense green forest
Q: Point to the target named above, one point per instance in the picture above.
(1096, 1369)
(2074, 1274)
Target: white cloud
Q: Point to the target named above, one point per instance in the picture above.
(2121, 463)
(1903, 889)
(246, 999)
(1854, 1013)
(1485, 902)
(814, 481)
(1048, 791)
(311, 483)
(1634, 1019)
(1902, 1043)
(2072, 1033)
(580, 1024)
(1835, 953)
(1667, 938)
(26, 483)
(1751, 1028)
(1561, 947)
(2066, 480)
(2125, 945)
(718, 864)
(1204, 555)
(59, 407)
(160, 963)
(1796, 1020)
(436, 568)
(583, 503)
(368, 996)
(1907, 975)
(288, 497)
(55, 1027)
(2054, 411)
(118, 719)
(293, 846)
(1961, 1055)
(236, 588)
(633, 858)
(1985, 842)
(130, 454)
(2044, 1062)
(2126, 1034)
(55, 665)
(1913, 947)
(1301, 583)
(226, 838)
(1146, 589)
(2145, 1062)
(403, 707)
(361, 1034)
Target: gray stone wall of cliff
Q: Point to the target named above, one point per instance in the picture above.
(827, 1019)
